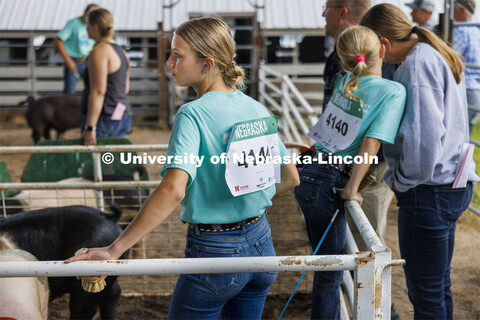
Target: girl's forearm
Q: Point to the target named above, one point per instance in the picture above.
(370, 146)
(95, 104)
(163, 200)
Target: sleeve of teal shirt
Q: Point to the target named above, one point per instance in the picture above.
(66, 32)
(386, 123)
(184, 141)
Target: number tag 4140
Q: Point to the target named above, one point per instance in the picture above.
(339, 124)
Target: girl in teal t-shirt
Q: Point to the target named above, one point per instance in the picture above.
(220, 225)
(364, 111)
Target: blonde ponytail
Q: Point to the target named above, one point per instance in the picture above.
(452, 58)
(234, 76)
(358, 48)
(354, 83)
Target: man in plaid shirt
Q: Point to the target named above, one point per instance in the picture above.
(466, 40)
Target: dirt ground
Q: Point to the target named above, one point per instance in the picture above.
(465, 265)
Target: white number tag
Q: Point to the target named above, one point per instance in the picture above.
(253, 146)
(338, 126)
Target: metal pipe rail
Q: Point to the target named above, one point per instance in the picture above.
(368, 294)
(272, 72)
(296, 117)
(472, 66)
(474, 24)
(474, 210)
(301, 99)
(378, 283)
(79, 148)
(97, 168)
(376, 266)
(177, 266)
(78, 185)
(361, 221)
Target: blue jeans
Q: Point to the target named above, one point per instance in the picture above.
(473, 100)
(427, 218)
(70, 79)
(318, 198)
(108, 128)
(224, 295)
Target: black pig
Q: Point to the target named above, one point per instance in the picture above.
(56, 234)
(61, 113)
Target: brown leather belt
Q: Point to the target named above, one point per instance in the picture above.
(80, 60)
(342, 167)
(223, 227)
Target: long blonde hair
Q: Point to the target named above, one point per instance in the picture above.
(104, 20)
(354, 42)
(211, 37)
(392, 23)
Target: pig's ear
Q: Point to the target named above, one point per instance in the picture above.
(27, 102)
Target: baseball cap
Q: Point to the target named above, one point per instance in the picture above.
(428, 5)
(467, 4)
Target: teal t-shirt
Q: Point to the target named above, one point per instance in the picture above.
(75, 38)
(383, 105)
(202, 128)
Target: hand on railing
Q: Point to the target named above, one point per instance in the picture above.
(350, 194)
(93, 254)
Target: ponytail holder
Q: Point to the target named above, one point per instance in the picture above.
(414, 29)
(360, 58)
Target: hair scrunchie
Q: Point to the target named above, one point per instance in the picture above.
(360, 58)
(414, 29)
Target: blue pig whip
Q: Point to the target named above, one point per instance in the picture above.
(314, 253)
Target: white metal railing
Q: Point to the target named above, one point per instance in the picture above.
(81, 197)
(296, 115)
(81, 186)
(78, 185)
(368, 294)
(97, 169)
(178, 266)
(382, 253)
(79, 148)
